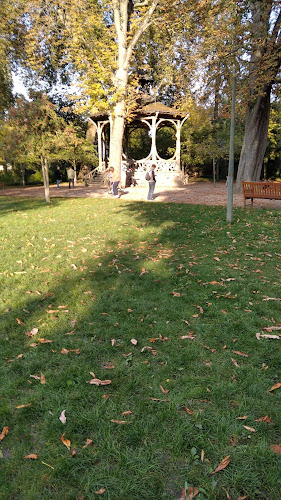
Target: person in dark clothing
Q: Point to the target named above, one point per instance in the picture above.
(58, 176)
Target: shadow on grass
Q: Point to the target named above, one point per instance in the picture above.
(133, 272)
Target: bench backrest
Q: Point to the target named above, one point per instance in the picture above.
(262, 188)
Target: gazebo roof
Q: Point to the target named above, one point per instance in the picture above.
(150, 109)
(160, 108)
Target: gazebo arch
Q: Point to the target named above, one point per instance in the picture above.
(152, 116)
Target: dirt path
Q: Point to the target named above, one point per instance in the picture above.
(202, 193)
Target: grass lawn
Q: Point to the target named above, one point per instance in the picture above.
(140, 321)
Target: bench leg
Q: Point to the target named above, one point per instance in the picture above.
(252, 202)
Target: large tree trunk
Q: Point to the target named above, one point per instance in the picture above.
(45, 172)
(123, 10)
(255, 140)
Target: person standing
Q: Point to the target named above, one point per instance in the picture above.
(151, 182)
(70, 177)
(58, 176)
(115, 182)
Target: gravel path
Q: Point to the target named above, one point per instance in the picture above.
(202, 193)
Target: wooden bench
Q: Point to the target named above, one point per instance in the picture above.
(266, 190)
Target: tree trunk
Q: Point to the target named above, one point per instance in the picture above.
(22, 175)
(122, 10)
(255, 140)
(45, 172)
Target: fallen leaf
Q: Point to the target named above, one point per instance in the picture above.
(62, 417)
(189, 493)
(106, 396)
(36, 377)
(45, 341)
(32, 332)
(251, 429)
(224, 463)
(88, 443)
(165, 391)
(97, 381)
(19, 322)
(227, 494)
(121, 421)
(235, 362)
(265, 419)
(108, 366)
(126, 355)
(190, 412)
(176, 294)
(276, 386)
(134, 341)
(241, 353)
(183, 337)
(42, 379)
(113, 342)
(202, 455)
(23, 406)
(271, 328)
(100, 492)
(32, 455)
(66, 442)
(161, 400)
(276, 448)
(242, 418)
(4, 432)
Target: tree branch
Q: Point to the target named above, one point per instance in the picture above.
(146, 21)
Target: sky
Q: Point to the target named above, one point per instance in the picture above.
(18, 88)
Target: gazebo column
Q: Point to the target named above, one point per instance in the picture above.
(100, 145)
(153, 138)
(178, 147)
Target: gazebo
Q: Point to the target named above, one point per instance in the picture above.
(152, 117)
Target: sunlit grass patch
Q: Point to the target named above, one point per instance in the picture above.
(164, 301)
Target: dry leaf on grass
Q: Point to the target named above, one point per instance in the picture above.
(265, 419)
(44, 341)
(97, 381)
(242, 418)
(42, 379)
(66, 442)
(251, 429)
(224, 463)
(100, 492)
(165, 391)
(134, 341)
(33, 456)
(62, 417)
(88, 443)
(188, 494)
(4, 432)
(276, 386)
(23, 406)
(32, 332)
(121, 421)
(241, 353)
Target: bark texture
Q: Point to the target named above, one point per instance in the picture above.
(255, 140)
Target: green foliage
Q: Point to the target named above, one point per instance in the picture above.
(36, 178)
